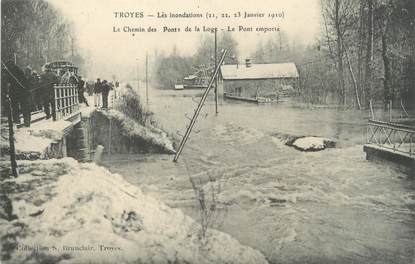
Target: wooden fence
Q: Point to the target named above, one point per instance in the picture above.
(66, 100)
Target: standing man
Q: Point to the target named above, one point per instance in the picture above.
(105, 91)
(33, 82)
(97, 93)
(36, 90)
(48, 80)
(81, 90)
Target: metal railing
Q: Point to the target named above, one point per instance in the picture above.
(393, 136)
(66, 100)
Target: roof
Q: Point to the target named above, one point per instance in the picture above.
(259, 71)
(59, 65)
(190, 77)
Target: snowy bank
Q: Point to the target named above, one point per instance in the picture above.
(131, 129)
(312, 143)
(68, 212)
(37, 141)
(305, 143)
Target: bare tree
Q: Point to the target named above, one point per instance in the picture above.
(369, 53)
(35, 32)
(339, 18)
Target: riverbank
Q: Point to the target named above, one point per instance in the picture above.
(61, 210)
(66, 211)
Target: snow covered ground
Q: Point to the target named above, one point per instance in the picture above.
(131, 128)
(81, 213)
(312, 143)
(35, 141)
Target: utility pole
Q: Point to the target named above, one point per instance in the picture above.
(72, 51)
(47, 51)
(147, 76)
(198, 109)
(11, 138)
(109, 138)
(138, 81)
(216, 78)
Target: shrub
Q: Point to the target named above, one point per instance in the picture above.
(129, 103)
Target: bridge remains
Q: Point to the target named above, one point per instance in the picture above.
(392, 141)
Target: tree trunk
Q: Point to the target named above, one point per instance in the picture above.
(353, 79)
(369, 54)
(339, 54)
(410, 94)
(361, 33)
(387, 74)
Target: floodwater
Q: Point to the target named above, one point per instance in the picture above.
(330, 206)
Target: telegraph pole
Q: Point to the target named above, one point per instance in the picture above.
(48, 52)
(216, 78)
(138, 81)
(72, 51)
(198, 109)
(147, 76)
(12, 153)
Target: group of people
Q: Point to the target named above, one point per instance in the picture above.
(101, 92)
(29, 91)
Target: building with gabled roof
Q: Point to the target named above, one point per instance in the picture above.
(272, 80)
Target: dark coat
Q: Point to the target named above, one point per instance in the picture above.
(80, 86)
(15, 79)
(105, 88)
(98, 87)
(47, 81)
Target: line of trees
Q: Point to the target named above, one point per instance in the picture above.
(371, 46)
(365, 52)
(34, 32)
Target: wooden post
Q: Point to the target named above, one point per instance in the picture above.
(109, 139)
(216, 79)
(138, 81)
(371, 110)
(11, 138)
(72, 49)
(390, 110)
(147, 76)
(98, 153)
(54, 104)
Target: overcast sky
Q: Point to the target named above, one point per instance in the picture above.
(94, 21)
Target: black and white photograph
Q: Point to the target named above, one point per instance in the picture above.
(207, 131)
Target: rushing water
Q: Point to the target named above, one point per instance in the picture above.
(316, 207)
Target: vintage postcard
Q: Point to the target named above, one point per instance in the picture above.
(207, 131)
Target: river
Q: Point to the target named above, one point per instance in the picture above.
(331, 206)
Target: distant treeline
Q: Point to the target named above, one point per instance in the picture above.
(366, 51)
(171, 69)
(33, 32)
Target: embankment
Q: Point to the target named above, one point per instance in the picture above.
(69, 212)
(117, 133)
